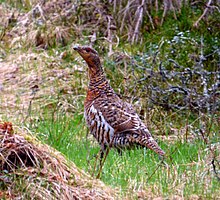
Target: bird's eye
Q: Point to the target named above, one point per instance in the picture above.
(87, 50)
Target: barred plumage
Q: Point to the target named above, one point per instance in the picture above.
(113, 122)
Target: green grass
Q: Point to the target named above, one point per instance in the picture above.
(187, 171)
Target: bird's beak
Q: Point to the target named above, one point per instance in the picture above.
(79, 50)
(76, 47)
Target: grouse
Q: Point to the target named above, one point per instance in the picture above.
(113, 122)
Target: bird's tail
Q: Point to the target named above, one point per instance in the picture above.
(148, 141)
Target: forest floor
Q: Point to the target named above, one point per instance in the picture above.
(42, 92)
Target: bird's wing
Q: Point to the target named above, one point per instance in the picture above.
(122, 118)
(118, 114)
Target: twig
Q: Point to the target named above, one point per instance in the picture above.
(139, 21)
(150, 18)
(124, 16)
(168, 5)
(109, 35)
(164, 12)
(203, 14)
(212, 153)
(214, 169)
(35, 89)
(115, 5)
(156, 6)
(159, 165)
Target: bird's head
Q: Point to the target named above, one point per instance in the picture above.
(89, 55)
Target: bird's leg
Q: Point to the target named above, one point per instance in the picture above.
(103, 156)
(119, 151)
(104, 151)
(99, 155)
(100, 158)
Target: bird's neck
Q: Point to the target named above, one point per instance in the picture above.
(98, 83)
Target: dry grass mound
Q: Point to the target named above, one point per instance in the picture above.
(30, 170)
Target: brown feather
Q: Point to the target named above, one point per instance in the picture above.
(112, 122)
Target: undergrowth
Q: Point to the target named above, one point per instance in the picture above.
(187, 171)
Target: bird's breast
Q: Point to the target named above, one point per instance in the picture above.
(91, 95)
(98, 126)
